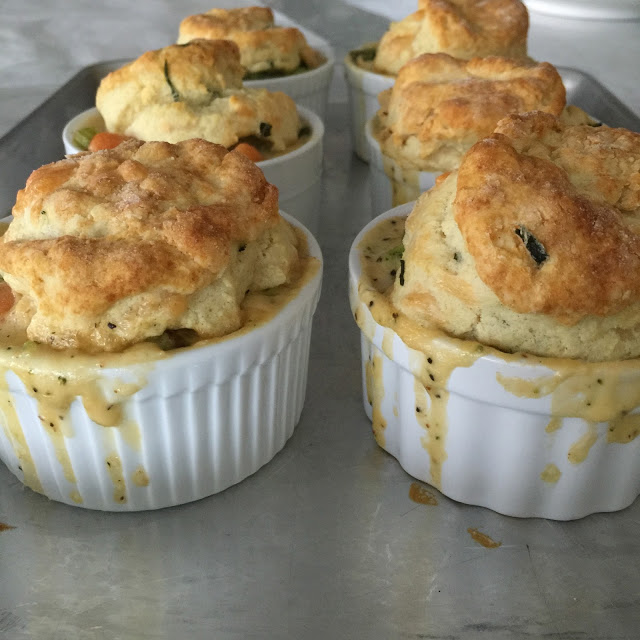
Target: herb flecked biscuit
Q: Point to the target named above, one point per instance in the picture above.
(263, 46)
(109, 248)
(462, 28)
(194, 91)
(439, 106)
(533, 245)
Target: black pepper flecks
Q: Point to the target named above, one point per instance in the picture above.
(402, 273)
(111, 325)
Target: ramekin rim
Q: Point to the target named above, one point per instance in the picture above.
(179, 357)
(353, 67)
(317, 135)
(306, 75)
(493, 356)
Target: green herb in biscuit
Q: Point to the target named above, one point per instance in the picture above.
(174, 92)
(532, 244)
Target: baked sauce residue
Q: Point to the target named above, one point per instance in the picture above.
(550, 474)
(600, 393)
(5, 527)
(483, 539)
(114, 468)
(419, 494)
(405, 182)
(140, 477)
(375, 391)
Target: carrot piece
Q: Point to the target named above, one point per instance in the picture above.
(106, 140)
(249, 151)
(6, 298)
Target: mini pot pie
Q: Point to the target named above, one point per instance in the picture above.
(266, 50)
(195, 91)
(147, 283)
(501, 330)
(440, 106)
(463, 29)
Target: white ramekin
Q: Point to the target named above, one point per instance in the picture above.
(204, 418)
(298, 174)
(391, 184)
(364, 87)
(497, 444)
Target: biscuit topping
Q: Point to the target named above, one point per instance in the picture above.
(194, 91)
(462, 28)
(265, 49)
(533, 244)
(439, 105)
(140, 239)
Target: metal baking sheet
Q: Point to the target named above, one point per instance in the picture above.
(324, 541)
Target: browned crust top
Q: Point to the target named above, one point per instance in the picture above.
(95, 228)
(461, 28)
(437, 98)
(551, 215)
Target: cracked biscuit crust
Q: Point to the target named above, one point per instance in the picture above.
(263, 46)
(194, 91)
(114, 247)
(462, 28)
(534, 243)
(440, 106)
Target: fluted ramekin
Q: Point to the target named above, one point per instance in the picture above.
(390, 183)
(297, 174)
(364, 87)
(193, 423)
(492, 434)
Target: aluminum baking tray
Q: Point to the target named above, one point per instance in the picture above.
(328, 540)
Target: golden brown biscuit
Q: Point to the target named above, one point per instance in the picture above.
(439, 106)
(194, 91)
(534, 243)
(264, 48)
(112, 247)
(462, 28)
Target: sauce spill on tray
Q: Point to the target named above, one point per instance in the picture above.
(483, 539)
(419, 494)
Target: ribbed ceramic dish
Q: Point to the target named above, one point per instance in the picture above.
(364, 87)
(203, 419)
(391, 184)
(297, 174)
(499, 449)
